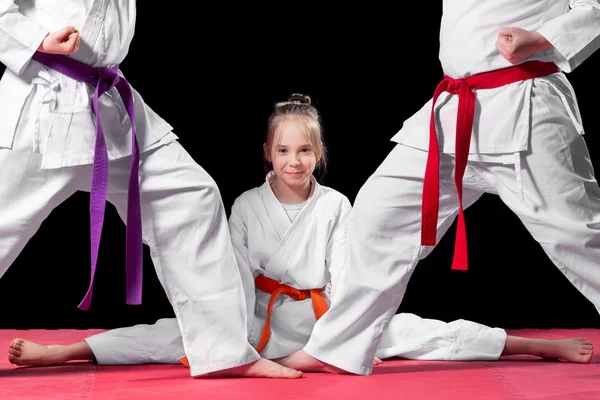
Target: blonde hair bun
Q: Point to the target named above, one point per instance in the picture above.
(299, 98)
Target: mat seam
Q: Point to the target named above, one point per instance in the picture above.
(87, 391)
(505, 382)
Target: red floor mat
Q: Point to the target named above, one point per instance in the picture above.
(514, 378)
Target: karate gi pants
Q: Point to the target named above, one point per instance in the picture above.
(184, 224)
(408, 336)
(560, 207)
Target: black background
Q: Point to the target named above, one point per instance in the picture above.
(214, 74)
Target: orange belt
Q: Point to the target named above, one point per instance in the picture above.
(275, 289)
(464, 88)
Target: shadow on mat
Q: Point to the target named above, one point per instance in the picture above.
(399, 366)
(77, 368)
(48, 370)
(390, 366)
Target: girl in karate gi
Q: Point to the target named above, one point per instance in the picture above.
(504, 120)
(289, 237)
(50, 137)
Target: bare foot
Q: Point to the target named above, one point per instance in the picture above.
(262, 368)
(377, 361)
(24, 352)
(578, 350)
(302, 361)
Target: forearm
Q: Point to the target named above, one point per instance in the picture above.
(20, 36)
(575, 35)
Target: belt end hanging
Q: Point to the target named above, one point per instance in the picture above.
(460, 267)
(428, 238)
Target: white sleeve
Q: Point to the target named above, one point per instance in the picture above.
(336, 248)
(20, 37)
(239, 238)
(575, 35)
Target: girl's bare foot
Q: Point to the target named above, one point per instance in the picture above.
(579, 350)
(24, 352)
(302, 361)
(262, 368)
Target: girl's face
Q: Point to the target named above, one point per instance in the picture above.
(292, 156)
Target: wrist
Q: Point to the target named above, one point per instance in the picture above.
(41, 46)
(541, 43)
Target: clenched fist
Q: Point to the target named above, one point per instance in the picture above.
(516, 44)
(64, 41)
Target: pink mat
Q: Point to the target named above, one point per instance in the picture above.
(510, 378)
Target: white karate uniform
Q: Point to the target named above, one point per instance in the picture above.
(527, 147)
(47, 136)
(305, 249)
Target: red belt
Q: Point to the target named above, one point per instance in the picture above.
(464, 125)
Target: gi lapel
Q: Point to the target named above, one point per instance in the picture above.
(287, 230)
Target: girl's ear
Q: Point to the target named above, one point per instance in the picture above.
(267, 155)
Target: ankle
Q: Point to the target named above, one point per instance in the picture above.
(59, 353)
(539, 347)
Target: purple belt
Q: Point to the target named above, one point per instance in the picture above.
(104, 79)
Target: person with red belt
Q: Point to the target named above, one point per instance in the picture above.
(504, 120)
(289, 237)
(70, 121)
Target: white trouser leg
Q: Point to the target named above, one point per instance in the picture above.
(185, 226)
(561, 197)
(412, 337)
(28, 194)
(140, 344)
(184, 223)
(383, 240)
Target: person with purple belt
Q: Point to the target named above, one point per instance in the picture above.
(70, 121)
